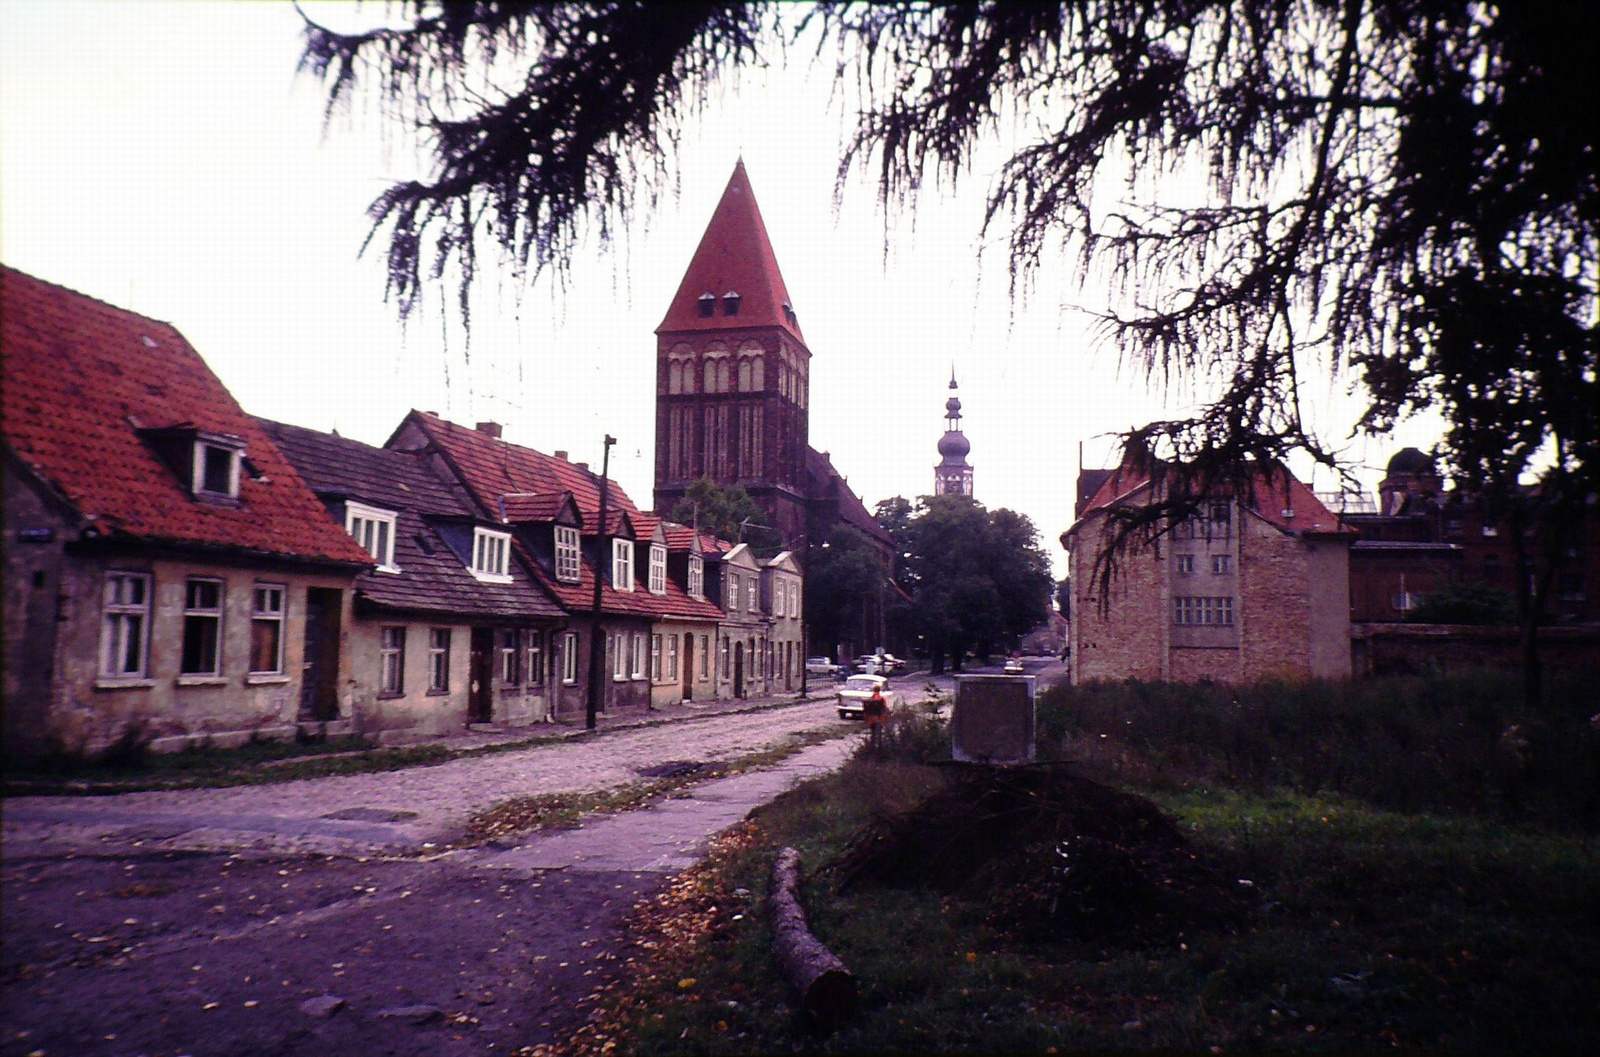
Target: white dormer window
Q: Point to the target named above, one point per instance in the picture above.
(216, 470)
(697, 576)
(622, 564)
(374, 530)
(658, 569)
(567, 560)
(753, 595)
(491, 555)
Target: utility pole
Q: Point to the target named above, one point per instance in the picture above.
(596, 650)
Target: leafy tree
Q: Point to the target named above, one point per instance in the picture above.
(842, 574)
(727, 513)
(1064, 598)
(976, 579)
(1276, 189)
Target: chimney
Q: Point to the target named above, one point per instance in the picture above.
(583, 466)
(561, 455)
(491, 428)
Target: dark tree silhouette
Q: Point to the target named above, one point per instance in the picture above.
(1403, 190)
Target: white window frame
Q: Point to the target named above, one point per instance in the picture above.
(622, 564)
(510, 656)
(205, 613)
(569, 658)
(569, 555)
(705, 657)
(1203, 611)
(753, 594)
(533, 666)
(1184, 563)
(439, 660)
(392, 660)
(1222, 564)
(672, 658)
(198, 470)
(780, 592)
(617, 643)
(658, 569)
(260, 616)
(638, 655)
(125, 624)
(361, 522)
(491, 555)
(655, 658)
(697, 577)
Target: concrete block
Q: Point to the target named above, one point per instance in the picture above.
(993, 719)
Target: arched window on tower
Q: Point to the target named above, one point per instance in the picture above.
(724, 372)
(758, 376)
(744, 376)
(675, 377)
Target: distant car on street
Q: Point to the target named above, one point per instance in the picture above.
(1014, 666)
(822, 668)
(879, 664)
(851, 697)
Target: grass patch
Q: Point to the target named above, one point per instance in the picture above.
(1365, 927)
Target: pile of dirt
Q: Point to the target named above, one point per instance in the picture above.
(1044, 849)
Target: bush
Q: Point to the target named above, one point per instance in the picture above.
(1459, 743)
(1465, 604)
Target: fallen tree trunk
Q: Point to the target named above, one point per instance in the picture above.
(827, 989)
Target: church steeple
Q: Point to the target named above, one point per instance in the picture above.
(952, 476)
(733, 370)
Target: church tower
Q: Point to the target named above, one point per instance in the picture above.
(732, 371)
(953, 476)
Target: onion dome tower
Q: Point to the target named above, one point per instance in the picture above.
(953, 476)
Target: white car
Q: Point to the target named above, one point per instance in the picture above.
(852, 696)
(1014, 666)
(821, 666)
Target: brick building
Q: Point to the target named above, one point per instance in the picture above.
(1256, 586)
(733, 385)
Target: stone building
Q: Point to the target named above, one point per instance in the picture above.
(168, 575)
(1256, 586)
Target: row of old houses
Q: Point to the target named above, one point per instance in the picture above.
(177, 571)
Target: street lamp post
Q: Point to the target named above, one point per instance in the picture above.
(596, 651)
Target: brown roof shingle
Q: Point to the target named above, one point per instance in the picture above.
(82, 379)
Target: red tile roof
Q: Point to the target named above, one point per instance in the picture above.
(83, 378)
(734, 256)
(490, 467)
(1272, 496)
(533, 507)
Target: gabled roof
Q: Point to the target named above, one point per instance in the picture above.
(84, 382)
(1276, 496)
(734, 256)
(490, 467)
(433, 578)
(538, 507)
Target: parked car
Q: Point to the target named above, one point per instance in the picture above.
(823, 668)
(851, 697)
(1014, 666)
(879, 664)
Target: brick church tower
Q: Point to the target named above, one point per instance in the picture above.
(732, 371)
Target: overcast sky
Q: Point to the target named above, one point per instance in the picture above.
(165, 158)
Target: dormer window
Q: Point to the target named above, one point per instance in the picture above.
(567, 560)
(491, 555)
(697, 577)
(374, 529)
(215, 474)
(622, 564)
(658, 569)
(708, 305)
(730, 303)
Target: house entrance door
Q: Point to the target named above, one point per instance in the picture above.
(738, 669)
(319, 676)
(480, 694)
(688, 667)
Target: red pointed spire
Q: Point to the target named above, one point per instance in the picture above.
(734, 257)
